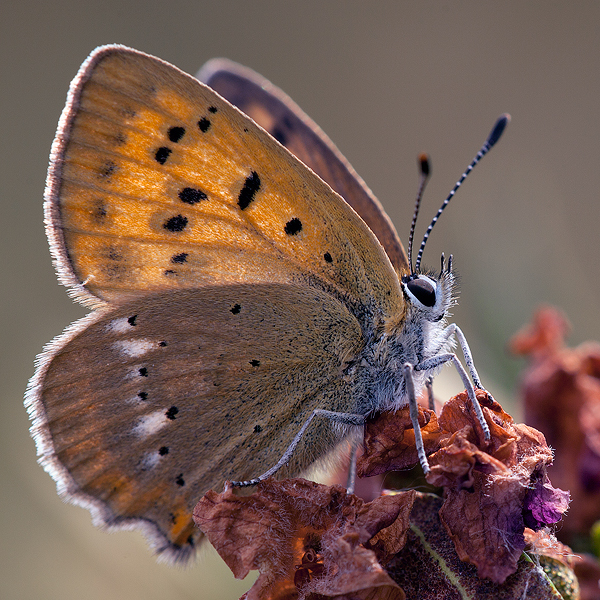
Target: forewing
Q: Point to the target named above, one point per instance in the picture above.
(139, 411)
(158, 183)
(278, 114)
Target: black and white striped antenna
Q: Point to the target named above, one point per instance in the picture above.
(494, 136)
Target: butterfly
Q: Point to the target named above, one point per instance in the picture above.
(251, 301)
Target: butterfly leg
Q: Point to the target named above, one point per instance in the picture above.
(440, 359)
(407, 372)
(336, 417)
(455, 330)
(430, 398)
(350, 482)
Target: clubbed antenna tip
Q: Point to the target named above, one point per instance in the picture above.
(424, 165)
(498, 129)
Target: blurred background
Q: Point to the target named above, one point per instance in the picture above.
(385, 81)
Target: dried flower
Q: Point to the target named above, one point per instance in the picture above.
(491, 487)
(561, 390)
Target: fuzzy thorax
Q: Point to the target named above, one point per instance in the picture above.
(421, 335)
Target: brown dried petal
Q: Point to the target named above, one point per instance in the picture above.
(353, 572)
(454, 463)
(388, 541)
(465, 449)
(381, 514)
(389, 443)
(284, 525)
(458, 414)
(486, 523)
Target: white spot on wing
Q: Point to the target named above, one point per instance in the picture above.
(134, 372)
(150, 424)
(135, 348)
(150, 460)
(121, 325)
(137, 402)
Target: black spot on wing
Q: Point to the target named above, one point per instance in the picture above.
(235, 309)
(293, 226)
(179, 259)
(204, 124)
(176, 223)
(171, 413)
(191, 195)
(176, 133)
(248, 192)
(162, 154)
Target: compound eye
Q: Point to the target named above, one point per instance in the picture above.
(423, 291)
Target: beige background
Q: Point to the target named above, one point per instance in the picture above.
(385, 80)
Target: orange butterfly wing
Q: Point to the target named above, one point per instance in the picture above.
(158, 183)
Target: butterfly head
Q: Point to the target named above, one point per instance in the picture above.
(430, 294)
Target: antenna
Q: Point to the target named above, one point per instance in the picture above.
(494, 136)
(425, 169)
